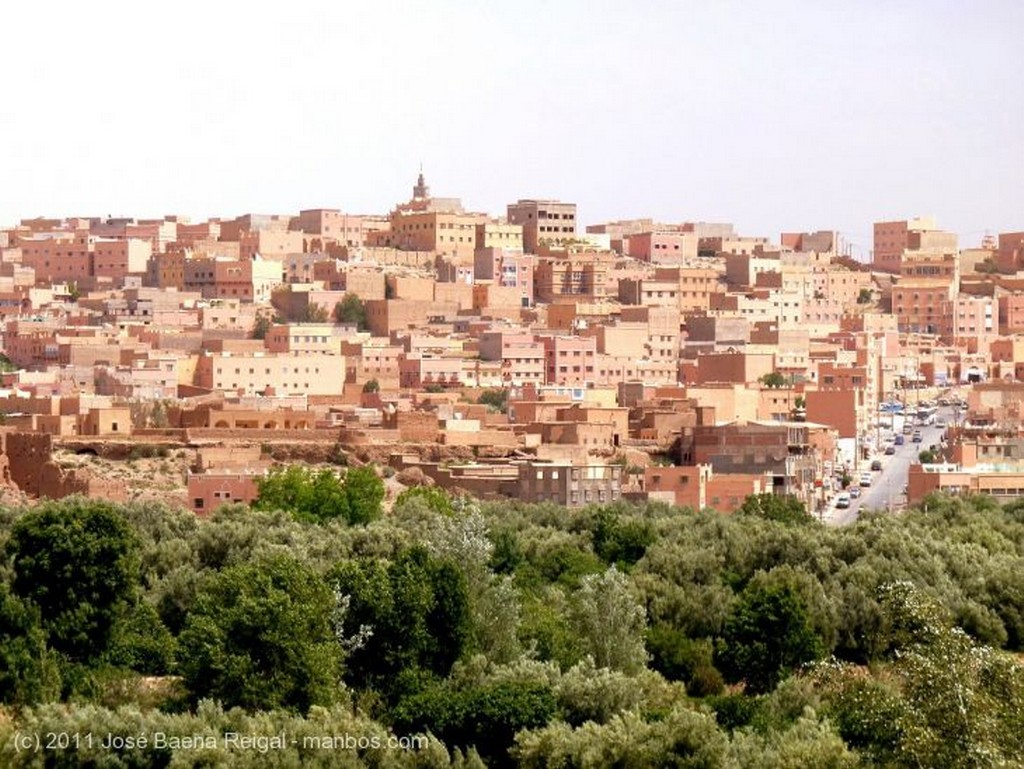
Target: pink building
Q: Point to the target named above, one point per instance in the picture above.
(1011, 313)
(662, 247)
(117, 258)
(508, 269)
(59, 256)
(522, 356)
(417, 371)
(208, 491)
(569, 359)
(330, 225)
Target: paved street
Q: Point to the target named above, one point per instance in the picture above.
(886, 490)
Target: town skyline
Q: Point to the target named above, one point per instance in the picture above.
(781, 117)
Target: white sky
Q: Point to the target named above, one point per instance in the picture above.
(773, 115)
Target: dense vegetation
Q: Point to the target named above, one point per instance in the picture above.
(513, 635)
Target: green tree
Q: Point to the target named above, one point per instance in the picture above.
(486, 717)
(320, 496)
(864, 297)
(413, 613)
(620, 543)
(77, 562)
(773, 379)
(364, 491)
(371, 386)
(767, 635)
(433, 498)
(681, 738)
(776, 507)
(28, 669)
(927, 457)
(309, 495)
(261, 636)
(141, 642)
(610, 622)
(351, 310)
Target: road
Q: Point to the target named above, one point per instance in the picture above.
(886, 490)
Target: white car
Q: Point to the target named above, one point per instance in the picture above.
(842, 501)
(865, 479)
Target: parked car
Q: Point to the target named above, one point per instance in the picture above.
(899, 440)
(890, 449)
(865, 479)
(940, 422)
(916, 437)
(876, 465)
(854, 492)
(843, 501)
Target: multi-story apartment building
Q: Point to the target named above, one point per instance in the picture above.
(250, 280)
(329, 225)
(661, 247)
(523, 357)
(115, 259)
(568, 485)
(892, 239)
(920, 304)
(579, 277)
(549, 221)
(569, 359)
(305, 339)
(500, 235)
(270, 374)
(687, 289)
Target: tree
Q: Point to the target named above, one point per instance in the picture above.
(433, 498)
(495, 399)
(773, 379)
(351, 310)
(364, 491)
(413, 612)
(320, 496)
(309, 495)
(28, 669)
(371, 386)
(77, 562)
(486, 717)
(768, 634)
(864, 297)
(928, 457)
(610, 622)
(776, 507)
(260, 636)
(618, 543)
(315, 313)
(261, 326)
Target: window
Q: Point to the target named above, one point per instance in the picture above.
(198, 503)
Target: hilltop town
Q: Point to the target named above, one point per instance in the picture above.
(518, 356)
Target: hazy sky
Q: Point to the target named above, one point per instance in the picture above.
(773, 115)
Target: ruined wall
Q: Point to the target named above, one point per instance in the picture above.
(27, 454)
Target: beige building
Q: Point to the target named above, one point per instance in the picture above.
(548, 221)
(267, 373)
